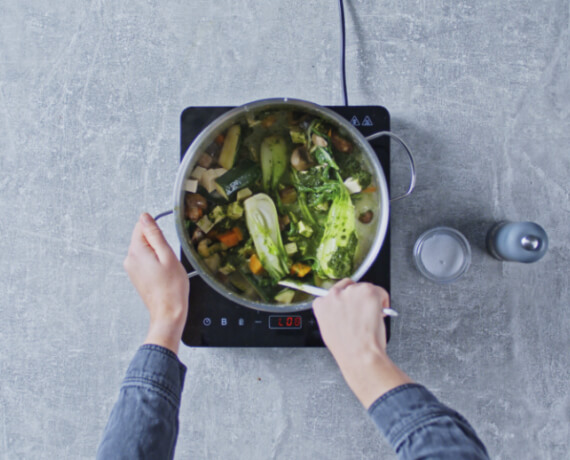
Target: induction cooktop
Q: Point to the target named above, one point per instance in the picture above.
(213, 320)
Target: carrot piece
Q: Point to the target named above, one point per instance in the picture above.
(370, 189)
(220, 138)
(300, 270)
(255, 265)
(269, 121)
(231, 238)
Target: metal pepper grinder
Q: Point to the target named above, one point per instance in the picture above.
(517, 241)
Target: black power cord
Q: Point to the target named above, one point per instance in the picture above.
(342, 51)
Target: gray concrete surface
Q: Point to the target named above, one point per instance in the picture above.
(90, 98)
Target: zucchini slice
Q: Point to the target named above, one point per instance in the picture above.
(230, 148)
(243, 175)
(285, 296)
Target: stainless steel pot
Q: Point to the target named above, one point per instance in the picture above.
(231, 117)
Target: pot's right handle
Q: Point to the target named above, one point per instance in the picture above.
(410, 156)
(167, 213)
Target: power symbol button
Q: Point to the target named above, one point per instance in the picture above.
(206, 321)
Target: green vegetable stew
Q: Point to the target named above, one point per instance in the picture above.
(280, 195)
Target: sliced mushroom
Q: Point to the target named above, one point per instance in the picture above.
(319, 141)
(288, 195)
(284, 221)
(194, 214)
(299, 159)
(206, 160)
(197, 236)
(213, 150)
(341, 144)
(206, 248)
(197, 200)
(196, 204)
(203, 247)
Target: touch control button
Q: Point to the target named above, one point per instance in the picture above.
(206, 321)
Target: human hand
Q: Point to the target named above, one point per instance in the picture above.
(351, 322)
(161, 281)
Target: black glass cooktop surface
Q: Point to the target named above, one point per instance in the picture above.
(213, 320)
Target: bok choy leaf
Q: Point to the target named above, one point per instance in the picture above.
(336, 250)
(274, 161)
(263, 226)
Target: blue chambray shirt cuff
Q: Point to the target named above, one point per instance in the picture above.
(157, 369)
(403, 409)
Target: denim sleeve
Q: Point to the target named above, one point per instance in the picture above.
(144, 421)
(417, 426)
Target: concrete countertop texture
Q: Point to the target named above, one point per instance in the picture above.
(90, 98)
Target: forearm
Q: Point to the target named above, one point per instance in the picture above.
(417, 425)
(166, 333)
(370, 373)
(144, 420)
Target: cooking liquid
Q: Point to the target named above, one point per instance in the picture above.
(442, 256)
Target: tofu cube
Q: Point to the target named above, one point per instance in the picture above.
(209, 176)
(198, 172)
(352, 185)
(191, 185)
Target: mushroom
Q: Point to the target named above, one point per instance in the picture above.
(196, 204)
(204, 247)
(319, 141)
(198, 235)
(366, 217)
(284, 221)
(213, 150)
(341, 144)
(194, 214)
(299, 159)
(206, 160)
(288, 195)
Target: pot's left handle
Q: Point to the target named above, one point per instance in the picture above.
(167, 213)
(410, 156)
(163, 214)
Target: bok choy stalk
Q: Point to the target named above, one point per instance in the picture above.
(263, 226)
(335, 252)
(274, 161)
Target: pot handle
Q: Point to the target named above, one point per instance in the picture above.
(410, 156)
(167, 213)
(163, 214)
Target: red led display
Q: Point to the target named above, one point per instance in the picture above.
(285, 322)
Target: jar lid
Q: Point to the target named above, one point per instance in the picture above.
(442, 254)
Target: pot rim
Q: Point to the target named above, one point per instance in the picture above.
(191, 157)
